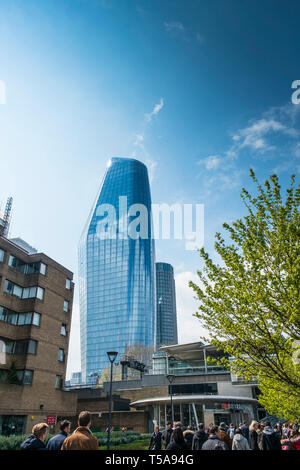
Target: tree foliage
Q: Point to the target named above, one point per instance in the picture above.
(249, 304)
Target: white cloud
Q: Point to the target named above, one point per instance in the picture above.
(189, 328)
(155, 111)
(258, 138)
(211, 163)
(174, 26)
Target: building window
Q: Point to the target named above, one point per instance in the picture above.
(58, 382)
(2, 252)
(26, 268)
(43, 269)
(36, 319)
(24, 318)
(66, 306)
(31, 346)
(27, 377)
(68, 284)
(24, 293)
(40, 293)
(61, 355)
(63, 330)
(14, 318)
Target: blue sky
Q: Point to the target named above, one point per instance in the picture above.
(200, 91)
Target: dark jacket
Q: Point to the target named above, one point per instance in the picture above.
(155, 441)
(188, 437)
(166, 437)
(55, 442)
(81, 439)
(32, 443)
(177, 446)
(253, 440)
(199, 438)
(245, 431)
(270, 440)
(214, 443)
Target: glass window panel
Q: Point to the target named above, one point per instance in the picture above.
(31, 346)
(61, 355)
(40, 293)
(1, 255)
(43, 268)
(32, 292)
(8, 287)
(25, 294)
(17, 291)
(58, 382)
(66, 306)
(63, 330)
(36, 319)
(27, 378)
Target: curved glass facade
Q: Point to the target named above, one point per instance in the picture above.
(116, 271)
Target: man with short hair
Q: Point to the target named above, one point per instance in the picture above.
(166, 434)
(82, 438)
(214, 442)
(36, 441)
(199, 438)
(56, 442)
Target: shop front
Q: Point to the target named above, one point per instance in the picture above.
(192, 410)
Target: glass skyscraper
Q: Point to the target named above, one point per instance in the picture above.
(116, 269)
(166, 327)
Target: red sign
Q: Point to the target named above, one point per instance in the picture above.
(225, 406)
(51, 420)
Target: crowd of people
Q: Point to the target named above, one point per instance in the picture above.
(257, 436)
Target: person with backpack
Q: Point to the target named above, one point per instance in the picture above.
(199, 438)
(214, 442)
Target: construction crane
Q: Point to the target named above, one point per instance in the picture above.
(5, 222)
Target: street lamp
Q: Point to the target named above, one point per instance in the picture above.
(111, 356)
(171, 379)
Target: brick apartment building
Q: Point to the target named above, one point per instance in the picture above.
(36, 295)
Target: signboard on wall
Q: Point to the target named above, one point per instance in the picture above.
(51, 420)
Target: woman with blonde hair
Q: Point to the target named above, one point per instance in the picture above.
(253, 436)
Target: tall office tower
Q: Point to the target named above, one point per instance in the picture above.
(117, 268)
(166, 326)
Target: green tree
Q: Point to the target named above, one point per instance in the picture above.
(249, 304)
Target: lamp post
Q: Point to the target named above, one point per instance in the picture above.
(111, 356)
(171, 379)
